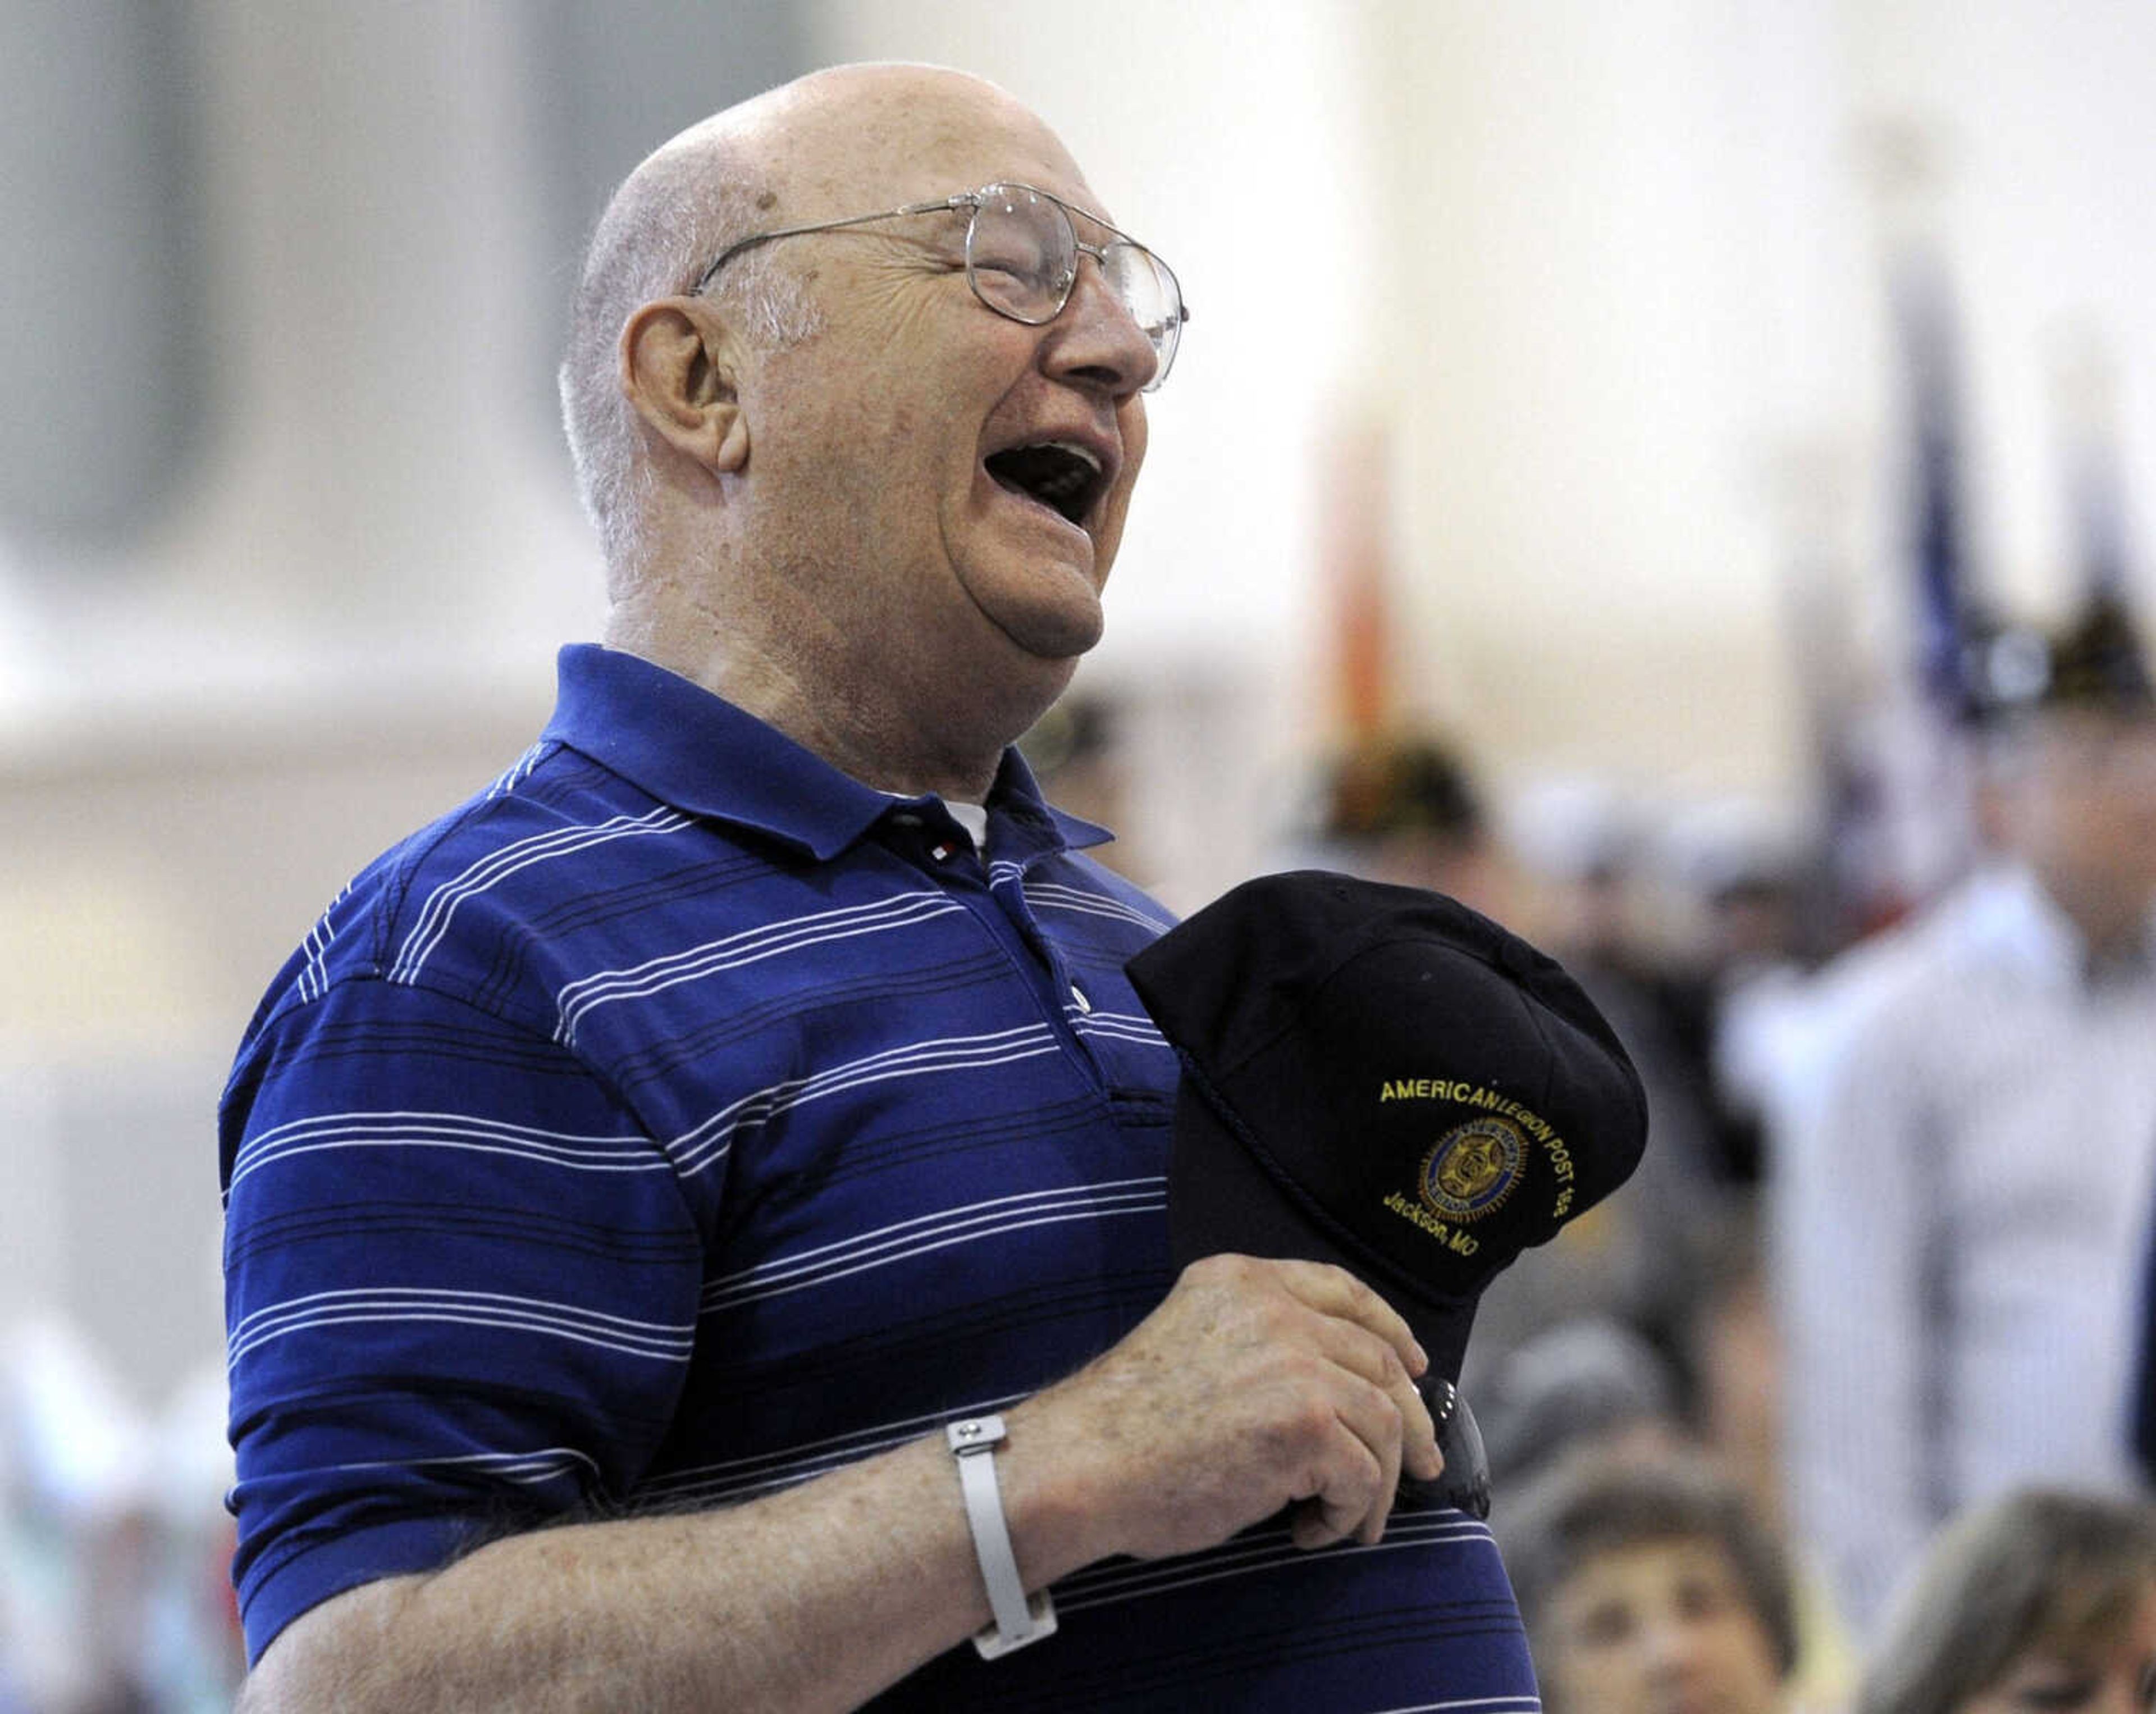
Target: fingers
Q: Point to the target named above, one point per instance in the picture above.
(1336, 1292)
(1371, 1465)
(1256, 1383)
(1351, 1477)
(1412, 1436)
(1380, 1419)
(1392, 1356)
(1333, 1514)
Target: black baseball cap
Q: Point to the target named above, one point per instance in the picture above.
(2095, 662)
(1378, 1076)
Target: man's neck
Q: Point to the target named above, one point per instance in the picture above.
(854, 732)
(2116, 933)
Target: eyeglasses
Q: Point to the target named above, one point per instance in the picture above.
(1021, 251)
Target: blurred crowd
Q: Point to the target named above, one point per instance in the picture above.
(116, 1594)
(1770, 1428)
(1867, 1326)
(1841, 1404)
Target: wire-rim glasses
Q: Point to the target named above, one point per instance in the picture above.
(1022, 253)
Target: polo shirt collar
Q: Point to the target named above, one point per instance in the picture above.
(701, 753)
(2006, 910)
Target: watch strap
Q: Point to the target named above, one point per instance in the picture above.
(1017, 1621)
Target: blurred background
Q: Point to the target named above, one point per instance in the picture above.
(1625, 395)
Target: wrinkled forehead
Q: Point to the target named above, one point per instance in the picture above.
(2093, 729)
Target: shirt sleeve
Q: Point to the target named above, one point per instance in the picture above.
(1856, 1212)
(461, 1291)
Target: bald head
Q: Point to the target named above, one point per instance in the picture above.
(835, 134)
(833, 143)
(872, 133)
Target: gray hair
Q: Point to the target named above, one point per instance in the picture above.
(684, 204)
(2041, 1566)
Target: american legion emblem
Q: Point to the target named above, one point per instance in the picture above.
(1472, 1168)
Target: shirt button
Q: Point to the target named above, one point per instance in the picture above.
(1078, 994)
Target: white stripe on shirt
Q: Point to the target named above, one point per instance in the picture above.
(696, 1149)
(929, 1232)
(1057, 897)
(630, 1153)
(749, 946)
(497, 866)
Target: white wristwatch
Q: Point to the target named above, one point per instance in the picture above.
(1017, 1620)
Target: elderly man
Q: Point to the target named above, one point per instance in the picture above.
(731, 1140)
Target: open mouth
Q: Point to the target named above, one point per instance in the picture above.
(1064, 477)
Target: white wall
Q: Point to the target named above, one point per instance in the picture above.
(2042, 114)
(1644, 360)
(1620, 281)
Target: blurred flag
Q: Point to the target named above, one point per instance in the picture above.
(1906, 828)
(2083, 393)
(2100, 522)
(1947, 619)
(1353, 512)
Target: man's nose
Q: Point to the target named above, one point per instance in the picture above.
(1095, 338)
(1671, 1645)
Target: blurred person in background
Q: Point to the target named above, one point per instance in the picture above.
(191, 1649)
(1686, 915)
(1740, 869)
(2043, 1600)
(1578, 841)
(740, 1109)
(75, 1527)
(1645, 1328)
(1730, 1358)
(1591, 1384)
(1961, 1198)
(1647, 1587)
(1405, 809)
(1724, 875)
(1573, 845)
(1597, 1389)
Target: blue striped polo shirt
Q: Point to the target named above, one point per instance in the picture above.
(680, 1118)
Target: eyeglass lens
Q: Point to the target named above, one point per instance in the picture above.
(1022, 255)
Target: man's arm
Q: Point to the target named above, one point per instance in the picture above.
(1855, 1194)
(1255, 1385)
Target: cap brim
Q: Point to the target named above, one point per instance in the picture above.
(1221, 1199)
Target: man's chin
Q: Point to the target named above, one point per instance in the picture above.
(1057, 621)
(1057, 641)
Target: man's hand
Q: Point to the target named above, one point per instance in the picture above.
(1256, 1384)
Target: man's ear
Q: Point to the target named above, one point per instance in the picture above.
(677, 367)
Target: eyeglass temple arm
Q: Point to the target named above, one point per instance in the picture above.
(964, 199)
